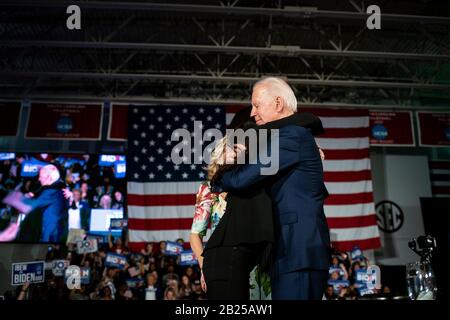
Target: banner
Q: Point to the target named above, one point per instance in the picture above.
(173, 248)
(135, 283)
(59, 267)
(118, 223)
(118, 117)
(109, 160)
(9, 118)
(115, 261)
(434, 128)
(391, 129)
(85, 275)
(187, 258)
(32, 272)
(87, 246)
(75, 235)
(398, 183)
(30, 168)
(64, 121)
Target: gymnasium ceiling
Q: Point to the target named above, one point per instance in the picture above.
(212, 51)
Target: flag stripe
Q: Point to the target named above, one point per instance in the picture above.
(345, 154)
(345, 143)
(345, 132)
(357, 122)
(364, 244)
(440, 165)
(440, 189)
(347, 176)
(346, 199)
(352, 222)
(160, 212)
(161, 200)
(160, 224)
(350, 210)
(346, 165)
(349, 187)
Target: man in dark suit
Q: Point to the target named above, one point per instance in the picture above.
(46, 211)
(301, 262)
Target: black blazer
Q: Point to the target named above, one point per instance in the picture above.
(249, 216)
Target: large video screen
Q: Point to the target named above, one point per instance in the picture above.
(61, 198)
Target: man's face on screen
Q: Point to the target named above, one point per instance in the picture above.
(44, 177)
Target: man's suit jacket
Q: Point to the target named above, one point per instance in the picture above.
(297, 192)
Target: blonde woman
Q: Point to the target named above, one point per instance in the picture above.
(210, 207)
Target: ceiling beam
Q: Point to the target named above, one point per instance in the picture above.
(286, 51)
(291, 12)
(200, 78)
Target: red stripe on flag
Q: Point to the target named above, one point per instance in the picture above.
(361, 132)
(351, 198)
(439, 164)
(161, 200)
(160, 224)
(347, 176)
(440, 189)
(346, 154)
(235, 108)
(323, 112)
(364, 244)
(352, 222)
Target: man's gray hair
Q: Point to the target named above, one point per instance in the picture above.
(279, 87)
(52, 171)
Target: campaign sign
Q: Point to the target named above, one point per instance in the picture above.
(7, 156)
(338, 284)
(118, 223)
(30, 168)
(369, 278)
(188, 258)
(85, 274)
(115, 261)
(173, 248)
(100, 239)
(75, 235)
(135, 283)
(59, 267)
(32, 272)
(356, 254)
(120, 170)
(107, 160)
(87, 246)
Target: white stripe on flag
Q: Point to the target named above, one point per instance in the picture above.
(350, 210)
(437, 183)
(343, 143)
(346, 165)
(344, 122)
(149, 188)
(440, 171)
(349, 234)
(162, 235)
(161, 212)
(349, 187)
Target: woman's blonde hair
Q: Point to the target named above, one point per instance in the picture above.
(216, 155)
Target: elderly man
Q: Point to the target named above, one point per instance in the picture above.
(301, 258)
(47, 209)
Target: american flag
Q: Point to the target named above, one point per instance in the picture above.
(440, 178)
(161, 195)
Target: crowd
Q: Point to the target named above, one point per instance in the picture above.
(148, 275)
(348, 277)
